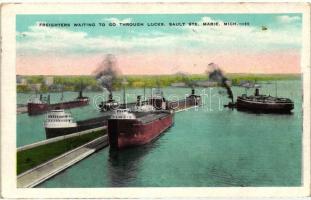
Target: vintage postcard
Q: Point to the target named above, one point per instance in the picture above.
(136, 100)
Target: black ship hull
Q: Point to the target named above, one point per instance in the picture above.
(264, 107)
(55, 132)
(81, 126)
(190, 101)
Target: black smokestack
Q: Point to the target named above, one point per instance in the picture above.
(216, 74)
(107, 73)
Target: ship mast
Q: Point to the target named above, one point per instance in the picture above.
(81, 89)
(124, 82)
(124, 102)
(144, 92)
(151, 93)
(276, 89)
(62, 92)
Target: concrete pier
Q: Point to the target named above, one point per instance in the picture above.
(48, 169)
(59, 138)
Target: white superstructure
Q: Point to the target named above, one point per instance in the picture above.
(35, 100)
(144, 108)
(59, 119)
(122, 114)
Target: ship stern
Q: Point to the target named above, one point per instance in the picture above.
(113, 133)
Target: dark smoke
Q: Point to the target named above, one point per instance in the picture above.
(217, 75)
(107, 72)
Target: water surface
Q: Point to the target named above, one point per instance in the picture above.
(206, 147)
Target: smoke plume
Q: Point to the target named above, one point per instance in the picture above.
(107, 72)
(215, 74)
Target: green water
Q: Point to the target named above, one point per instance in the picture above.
(205, 147)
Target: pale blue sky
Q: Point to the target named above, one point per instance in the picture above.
(277, 23)
(277, 48)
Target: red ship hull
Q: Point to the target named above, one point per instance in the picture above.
(128, 133)
(35, 109)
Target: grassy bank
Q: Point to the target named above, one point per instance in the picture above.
(31, 158)
(73, 83)
(237, 78)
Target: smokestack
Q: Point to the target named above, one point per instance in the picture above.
(110, 97)
(138, 103)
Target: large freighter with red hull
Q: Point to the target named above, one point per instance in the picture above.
(127, 129)
(153, 116)
(39, 106)
(146, 122)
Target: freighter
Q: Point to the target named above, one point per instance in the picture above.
(190, 101)
(110, 104)
(140, 125)
(58, 123)
(147, 121)
(40, 105)
(128, 129)
(263, 103)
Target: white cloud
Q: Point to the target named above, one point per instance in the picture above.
(251, 37)
(42, 40)
(288, 19)
(117, 21)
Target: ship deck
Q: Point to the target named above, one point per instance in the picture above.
(264, 99)
(146, 117)
(105, 116)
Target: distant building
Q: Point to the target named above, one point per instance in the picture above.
(21, 80)
(49, 80)
(229, 82)
(180, 84)
(206, 83)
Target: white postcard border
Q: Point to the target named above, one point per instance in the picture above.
(8, 99)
